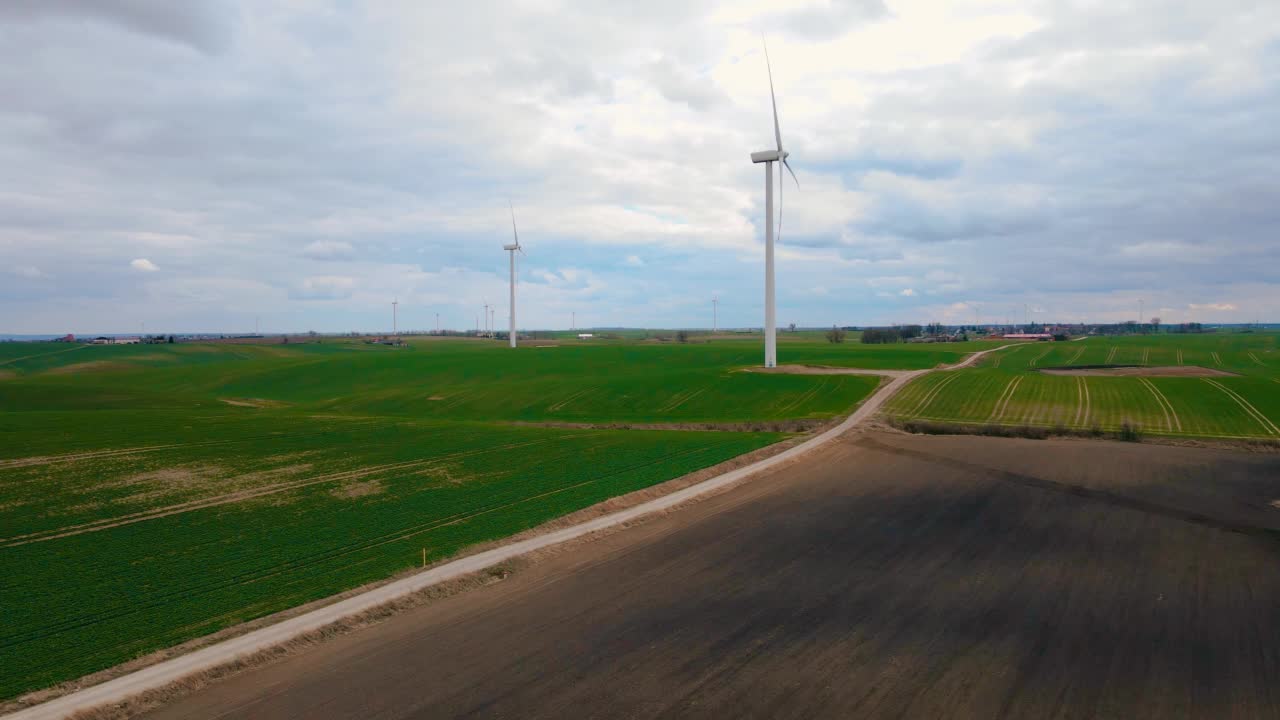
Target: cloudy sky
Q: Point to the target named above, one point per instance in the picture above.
(197, 165)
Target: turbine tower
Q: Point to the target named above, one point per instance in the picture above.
(769, 157)
(511, 250)
(394, 303)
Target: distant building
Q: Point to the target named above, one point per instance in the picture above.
(1028, 336)
(585, 336)
(69, 338)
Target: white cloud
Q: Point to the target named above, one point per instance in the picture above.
(633, 261)
(325, 287)
(28, 271)
(908, 292)
(143, 265)
(328, 250)
(1212, 306)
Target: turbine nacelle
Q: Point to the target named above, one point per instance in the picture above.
(511, 247)
(769, 156)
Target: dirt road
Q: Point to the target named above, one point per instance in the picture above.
(879, 576)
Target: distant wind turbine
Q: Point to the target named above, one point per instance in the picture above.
(769, 157)
(511, 250)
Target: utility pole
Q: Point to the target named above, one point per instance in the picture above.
(394, 326)
(1140, 304)
(437, 323)
(715, 303)
(573, 320)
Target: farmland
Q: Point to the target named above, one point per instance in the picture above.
(152, 494)
(1237, 395)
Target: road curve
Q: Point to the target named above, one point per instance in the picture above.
(175, 669)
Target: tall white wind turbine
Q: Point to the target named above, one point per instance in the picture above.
(769, 157)
(511, 250)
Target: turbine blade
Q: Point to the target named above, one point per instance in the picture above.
(777, 132)
(787, 165)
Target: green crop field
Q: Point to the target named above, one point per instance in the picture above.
(1008, 388)
(152, 494)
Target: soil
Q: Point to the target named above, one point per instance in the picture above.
(1139, 371)
(252, 402)
(883, 575)
(359, 489)
(92, 365)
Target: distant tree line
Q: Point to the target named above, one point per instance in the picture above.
(881, 336)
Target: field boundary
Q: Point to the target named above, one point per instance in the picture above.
(228, 652)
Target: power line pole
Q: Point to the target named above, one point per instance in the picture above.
(394, 327)
(715, 303)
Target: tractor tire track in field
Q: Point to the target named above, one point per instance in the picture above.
(933, 393)
(99, 454)
(1179, 356)
(1002, 403)
(255, 493)
(1146, 353)
(560, 405)
(1170, 415)
(1248, 407)
(677, 400)
(1082, 407)
(39, 355)
(805, 397)
(998, 358)
(1216, 359)
(1111, 355)
(1076, 357)
(1255, 359)
(1040, 357)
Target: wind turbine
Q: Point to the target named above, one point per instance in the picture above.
(769, 157)
(511, 250)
